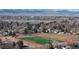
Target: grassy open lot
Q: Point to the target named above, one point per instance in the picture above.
(39, 40)
(36, 39)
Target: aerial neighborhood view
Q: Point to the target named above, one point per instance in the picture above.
(39, 29)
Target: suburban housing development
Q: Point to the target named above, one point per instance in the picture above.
(39, 31)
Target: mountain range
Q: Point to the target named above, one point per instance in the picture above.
(53, 12)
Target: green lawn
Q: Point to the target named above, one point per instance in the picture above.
(37, 39)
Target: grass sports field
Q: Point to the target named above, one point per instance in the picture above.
(39, 40)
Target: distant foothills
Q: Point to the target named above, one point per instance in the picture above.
(42, 12)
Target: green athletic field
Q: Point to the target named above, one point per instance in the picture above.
(37, 39)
